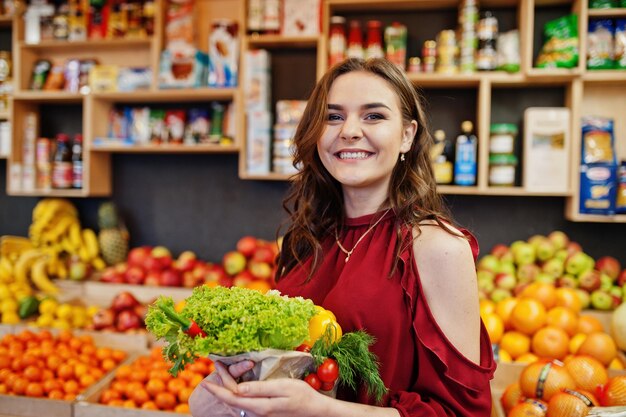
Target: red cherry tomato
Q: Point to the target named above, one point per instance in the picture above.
(304, 348)
(327, 386)
(328, 371)
(313, 381)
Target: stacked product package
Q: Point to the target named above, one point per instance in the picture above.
(257, 90)
(468, 40)
(288, 115)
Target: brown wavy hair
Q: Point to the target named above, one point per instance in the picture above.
(314, 202)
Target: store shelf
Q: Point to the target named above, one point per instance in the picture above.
(604, 76)
(168, 95)
(552, 75)
(93, 45)
(377, 5)
(6, 21)
(614, 12)
(48, 193)
(279, 41)
(169, 149)
(48, 96)
(496, 191)
(463, 80)
(594, 218)
(272, 176)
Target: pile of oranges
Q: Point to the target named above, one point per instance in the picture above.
(147, 384)
(545, 322)
(42, 365)
(563, 389)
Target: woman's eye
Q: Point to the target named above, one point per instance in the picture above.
(333, 117)
(374, 116)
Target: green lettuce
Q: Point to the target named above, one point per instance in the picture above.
(235, 320)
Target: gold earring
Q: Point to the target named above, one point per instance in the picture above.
(402, 158)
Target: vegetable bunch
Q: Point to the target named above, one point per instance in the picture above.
(228, 321)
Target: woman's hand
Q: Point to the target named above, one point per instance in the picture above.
(277, 398)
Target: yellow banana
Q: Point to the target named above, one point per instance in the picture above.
(6, 270)
(55, 234)
(40, 278)
(98, 263)
(84, 254)
(54, 205)
(67, 246)
(75, 236)
(53, 260)
(62, 272)
(10, 244)
(24, 263)
(91, 243)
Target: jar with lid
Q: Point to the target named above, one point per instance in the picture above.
(337, 40)
(502, 170)
(502, 138)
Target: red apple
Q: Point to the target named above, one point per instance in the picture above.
(264, 254)
(260, 270)
(234, 262)
(500, 250)
(186, 261)
(135, 275)
(124, 301)
(573, 247)
(247, 245)
(152, 264)
(189, 280)
(163, 255)
(589, 280)
(110, 274)
(153, 278)
(137, 256)
(127, 320)
(171, 278)
(621, 279)
(225, 281)
(609, 265)
(242, 279)
(103, 319)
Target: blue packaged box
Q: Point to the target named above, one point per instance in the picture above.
(598, 188)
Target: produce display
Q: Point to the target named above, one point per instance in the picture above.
(252, 266)
(146, 383)
(125, 314)
(57, 367)
(237, 321)
(552, 259)
(563, 389)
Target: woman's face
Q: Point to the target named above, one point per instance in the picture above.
(364, 132)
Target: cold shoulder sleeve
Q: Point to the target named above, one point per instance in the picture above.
(446, 382)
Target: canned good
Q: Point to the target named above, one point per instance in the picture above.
(429, 64)
(429, 49)
(415, 64)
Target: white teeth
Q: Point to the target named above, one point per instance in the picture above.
(353, 155)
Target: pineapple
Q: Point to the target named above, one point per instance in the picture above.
(113, 236)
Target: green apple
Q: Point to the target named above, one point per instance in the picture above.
(528, 272)
(568, 281)
(554, 267)
(606, 282)
(535, 239)
(576, 263)
(499, 294)
(524, 254)
(507, 268)
(559, 239)
(601, 300)
(547, 278)
(545, 250)
(506, 281)
(489, 263)
(584, 297)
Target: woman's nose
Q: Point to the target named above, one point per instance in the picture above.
(351, 129)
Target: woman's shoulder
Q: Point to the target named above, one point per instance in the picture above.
(432, 240)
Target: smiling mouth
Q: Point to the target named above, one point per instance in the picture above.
(353, 155)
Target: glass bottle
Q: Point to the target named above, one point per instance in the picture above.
(337, 40)
(62, 163)
(355, 40)
(465, 156)
(77, 162)
(374, 40)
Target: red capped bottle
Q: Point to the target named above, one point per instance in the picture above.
(62, 163)
(77, 162)
(374, 40)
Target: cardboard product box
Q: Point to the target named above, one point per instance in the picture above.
(547, 143)
(301, 18)
(101, 293)
(598, 188)
(258, 152)
(257, 80)
(223, 53)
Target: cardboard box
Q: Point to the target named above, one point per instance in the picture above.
(259, 142)
(547, 143)
(598, 188)
(101, 293)
(257, 80)
(301, 18)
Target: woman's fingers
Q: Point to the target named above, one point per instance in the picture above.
(227, 379)
(240, 368)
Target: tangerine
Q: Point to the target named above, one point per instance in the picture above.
(527, 358)
(511, 396)
(486, 306)
(576, 341)
(569, 403)
(494, 325)
(567, 297)
(529, 408)
(554, 376)
(504, 308)
(563, 317)
(542, 292)
(528, 316)
(550, 342)
(515, 343)
(600, 345)
(587, 372)
(589, 324)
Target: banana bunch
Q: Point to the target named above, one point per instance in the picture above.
(25, 264)
(56, 226)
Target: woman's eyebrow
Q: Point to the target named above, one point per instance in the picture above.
(365, 106)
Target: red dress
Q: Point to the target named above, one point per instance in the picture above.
(426, 375)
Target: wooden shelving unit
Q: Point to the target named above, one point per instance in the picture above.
(168, 149)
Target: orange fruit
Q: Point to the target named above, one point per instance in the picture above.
(528, 316)
(554, 376)
(515, 343)
(589, 324)
(527, 358)
(155, 386)
(34, 389)
(259, 285)
(494, 325)
(569, 403)
(165, 401)
(587, 372)
(504, 308)
(182, 409)
(550, 342)
(542, 292)
(576, 341)
(567, 297)
(486, 307)
(504, 356)
(616, 364)
(599, 345)
(511, 396)
(614, 392)
(563, 317)
(529, 408)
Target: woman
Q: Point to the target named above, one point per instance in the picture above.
(370, 240)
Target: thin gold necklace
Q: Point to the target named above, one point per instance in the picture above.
(349, 252)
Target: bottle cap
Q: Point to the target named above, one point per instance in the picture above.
(439, 135)
(467, 126)
(337, 20)
(503, 128)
